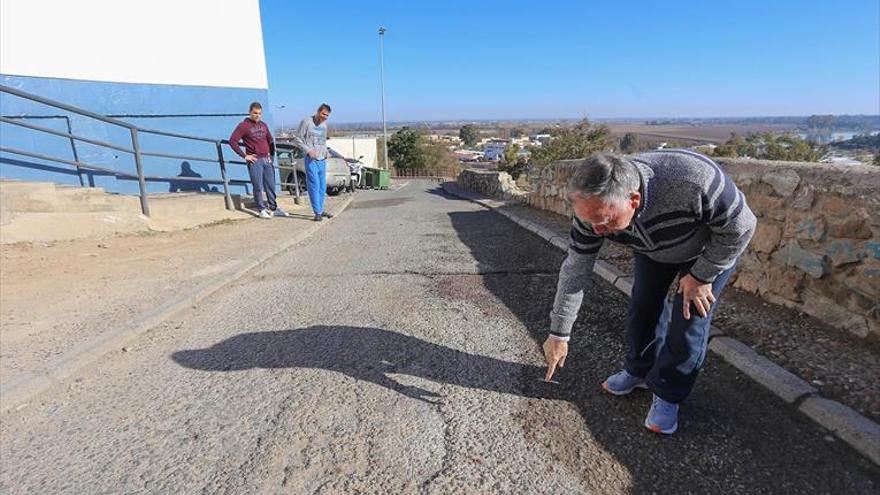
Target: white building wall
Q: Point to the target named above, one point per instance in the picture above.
(180, 42)
(355, 147)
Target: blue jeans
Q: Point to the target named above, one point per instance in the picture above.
(662, 347)
(263, 178)
(316, 183)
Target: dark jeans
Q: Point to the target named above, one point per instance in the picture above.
(663, 347)
(263, 178)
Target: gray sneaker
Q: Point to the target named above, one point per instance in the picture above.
(622, 383)
(662, 417)
(280, 213)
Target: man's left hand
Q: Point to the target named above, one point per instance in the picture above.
(696, 292)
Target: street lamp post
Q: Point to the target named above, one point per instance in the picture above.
(382, 83)
(281, 118)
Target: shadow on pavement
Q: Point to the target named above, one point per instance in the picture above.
(368, 354)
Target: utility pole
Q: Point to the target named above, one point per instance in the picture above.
(382, 84)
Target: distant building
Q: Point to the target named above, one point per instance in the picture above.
(493, 149)
(467, 155)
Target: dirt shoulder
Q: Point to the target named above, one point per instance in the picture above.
(55, 296)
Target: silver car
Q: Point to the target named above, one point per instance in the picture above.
(338, 173)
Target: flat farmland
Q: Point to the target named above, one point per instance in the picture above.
(707, 133)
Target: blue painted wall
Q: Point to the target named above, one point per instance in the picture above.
(210, 112)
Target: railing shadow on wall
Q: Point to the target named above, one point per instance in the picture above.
(86, 171)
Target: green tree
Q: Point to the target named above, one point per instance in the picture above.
(517, 132)
(577, 141)
(629, 143)
(469, 135)
(876, 160)
(768, 146)
(404, 150)
(436, 156)
(512, 162)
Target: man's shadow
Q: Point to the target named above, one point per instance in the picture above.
(369, 354)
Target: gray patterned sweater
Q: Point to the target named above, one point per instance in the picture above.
(691, 212)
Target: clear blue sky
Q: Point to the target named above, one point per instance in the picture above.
(569, 59)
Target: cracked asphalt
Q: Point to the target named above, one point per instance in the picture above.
(398, 351)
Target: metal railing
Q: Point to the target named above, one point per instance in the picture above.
(432, 173)
(135, 150)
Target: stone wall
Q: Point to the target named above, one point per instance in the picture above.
(492, 183)
(817, 245)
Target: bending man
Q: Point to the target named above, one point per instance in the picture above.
(683, 217)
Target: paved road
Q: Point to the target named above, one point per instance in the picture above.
(397, 351)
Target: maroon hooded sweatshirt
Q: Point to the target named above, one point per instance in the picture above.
(257, 139)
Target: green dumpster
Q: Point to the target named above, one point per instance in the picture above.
(370, 179)
(383, 179)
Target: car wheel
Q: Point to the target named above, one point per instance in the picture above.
(303, 188)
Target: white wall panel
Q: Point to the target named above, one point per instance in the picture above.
(184, 42)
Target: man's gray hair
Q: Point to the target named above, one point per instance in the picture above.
(610, 177)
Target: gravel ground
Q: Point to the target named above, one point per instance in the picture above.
(841, 366)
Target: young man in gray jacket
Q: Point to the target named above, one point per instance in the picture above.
(683, 217)
(311, 138)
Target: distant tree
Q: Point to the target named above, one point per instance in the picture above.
(469, 135)
(876, 160)
(404, 150)
(380, 153)
(517, 132)
(436, 156)
(569, 142)
(820, 121)
(769, 146)
(629, 143)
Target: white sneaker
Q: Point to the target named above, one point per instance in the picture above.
(265, 214)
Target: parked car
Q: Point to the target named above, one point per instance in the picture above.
(338, 172)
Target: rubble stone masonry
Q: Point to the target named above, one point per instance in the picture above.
(817, 245)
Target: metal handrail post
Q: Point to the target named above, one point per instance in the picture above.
(295, 185)
(142, 184)
(76, 156)
(220, 159)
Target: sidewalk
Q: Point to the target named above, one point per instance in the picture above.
(804, 363)
(64, 304)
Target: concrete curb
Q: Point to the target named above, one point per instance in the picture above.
(856, 430)
(16, 392)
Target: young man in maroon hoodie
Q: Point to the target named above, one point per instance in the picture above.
(259, 152)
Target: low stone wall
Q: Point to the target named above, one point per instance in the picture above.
(817, 245)
(492, 183)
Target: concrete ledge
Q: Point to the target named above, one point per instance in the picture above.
(853, 428)
(715, 332)
(607, 271)
(780, 381)
(625, 285)
(17, 391)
